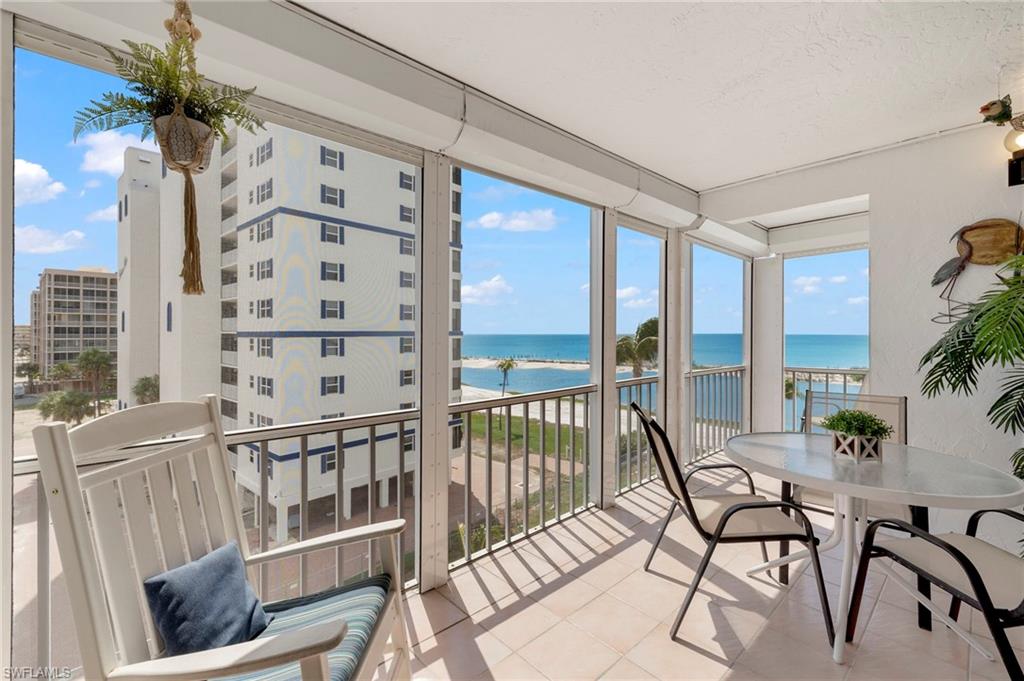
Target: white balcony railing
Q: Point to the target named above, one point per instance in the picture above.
(229, 324)
(229, 156)
(798, 380)
(229, 191)
(716, 408)
(229, 225)
(534, 451)
(229, 391)
(339, 457)
(635, 466)
(229, 291)
(229, 358)
(229, 258)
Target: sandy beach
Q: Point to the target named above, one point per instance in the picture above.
(567, 365)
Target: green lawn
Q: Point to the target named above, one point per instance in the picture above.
(498, 428)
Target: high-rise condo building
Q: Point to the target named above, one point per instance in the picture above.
(309, 259)
(72, 310)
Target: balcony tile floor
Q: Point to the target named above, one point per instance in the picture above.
(574, 603)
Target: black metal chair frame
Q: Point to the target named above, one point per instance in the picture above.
(672, 473)
(998, 620)
(918, 514)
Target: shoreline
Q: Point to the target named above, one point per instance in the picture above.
(563, 364)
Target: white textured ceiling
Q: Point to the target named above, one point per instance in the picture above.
(708, 94)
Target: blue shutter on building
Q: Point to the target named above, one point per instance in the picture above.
(341, 271)
(323, 156)
(323, 464)
(323, 192)
(323, 347)
(341, 385)
(323, 309)
(323, 231)
(323, 271)
(323, 385)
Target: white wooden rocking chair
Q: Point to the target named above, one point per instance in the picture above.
(160, 507)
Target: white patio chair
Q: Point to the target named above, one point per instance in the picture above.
(160, 507)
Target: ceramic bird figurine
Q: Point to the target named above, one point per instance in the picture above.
(998, 111)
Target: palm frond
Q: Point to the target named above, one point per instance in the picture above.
(1000, 323)
(1017, 463)
(954, 364)
(1007, 412)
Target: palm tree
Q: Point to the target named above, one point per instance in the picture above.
(96, 367)
(504, 366)
(790, 389)
(639, 349)
(70, 406)
(986, 333)
(29, 370)
(147, 389)
(63, 373)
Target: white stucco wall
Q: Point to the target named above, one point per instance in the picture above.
(920, 194)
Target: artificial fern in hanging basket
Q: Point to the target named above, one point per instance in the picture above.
(167, 96)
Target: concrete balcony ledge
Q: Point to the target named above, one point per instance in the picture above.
(229, 156)
(229, 391)
(229, 291)
(229, 324)
(229, 258)
(229, 191)
(229, 225)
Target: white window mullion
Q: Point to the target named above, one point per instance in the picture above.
(604, 406)
(6, 333)
(434, 368)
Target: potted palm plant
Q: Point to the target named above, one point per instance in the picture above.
(167, 96)
(988, 332)
(857, 434)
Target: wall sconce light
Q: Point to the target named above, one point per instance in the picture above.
(1014, 143)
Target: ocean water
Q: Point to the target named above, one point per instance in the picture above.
(709, 349)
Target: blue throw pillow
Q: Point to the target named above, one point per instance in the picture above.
(205, 604)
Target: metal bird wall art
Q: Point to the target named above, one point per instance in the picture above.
(986, 242)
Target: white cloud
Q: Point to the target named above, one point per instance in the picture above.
(105, 150)
(536, 220)
(32, 239)
(108, 214)
(857, 300)
(808, 284)
(487, 292)
(92, 184)
(585, 287)
(838, 279)
(637, 303)
(494, 192)
(628, 292)
(33, 184)
(864, 272)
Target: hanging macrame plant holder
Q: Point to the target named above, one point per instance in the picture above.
(186, 145)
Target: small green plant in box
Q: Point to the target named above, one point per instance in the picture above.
(857, 434)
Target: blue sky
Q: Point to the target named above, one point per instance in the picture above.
(827, 294)
(526, 254)
(65, 194)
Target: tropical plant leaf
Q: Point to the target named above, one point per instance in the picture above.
(954, 364)
(1017, 463)
(1007, 412)
(1000, 323)
(157, 80)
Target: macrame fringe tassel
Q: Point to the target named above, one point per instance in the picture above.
(191, 266)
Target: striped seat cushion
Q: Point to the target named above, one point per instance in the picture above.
(360, 604)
